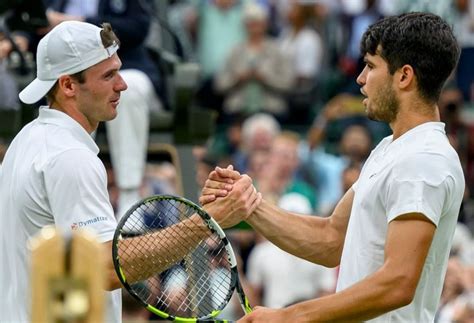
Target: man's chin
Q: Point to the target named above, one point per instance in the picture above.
(113, 114)
(372, 116)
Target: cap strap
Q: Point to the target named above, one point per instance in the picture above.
(112, 48)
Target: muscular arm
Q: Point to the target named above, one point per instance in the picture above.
(392, 286)
(319, 240)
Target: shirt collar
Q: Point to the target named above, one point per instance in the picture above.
(61, 119)
(433, 125)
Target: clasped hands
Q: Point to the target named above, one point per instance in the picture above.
(229, 197)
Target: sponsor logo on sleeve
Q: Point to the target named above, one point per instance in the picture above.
(82, 224)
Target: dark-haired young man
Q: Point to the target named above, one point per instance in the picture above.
(391, 232)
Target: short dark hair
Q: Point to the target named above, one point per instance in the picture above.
(108, 38)
(422, 40)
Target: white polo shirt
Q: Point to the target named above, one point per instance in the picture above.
(418, 172)
(51, 175)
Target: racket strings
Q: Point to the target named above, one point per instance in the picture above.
(202, 292)
(191, 285)
(136, 225)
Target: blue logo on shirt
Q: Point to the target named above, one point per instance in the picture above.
(81, 224)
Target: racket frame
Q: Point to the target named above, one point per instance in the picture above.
(235, 284)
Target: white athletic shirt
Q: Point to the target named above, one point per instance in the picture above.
(51, 175)
(418, 172)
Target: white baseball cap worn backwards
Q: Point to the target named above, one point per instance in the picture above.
(69, 48)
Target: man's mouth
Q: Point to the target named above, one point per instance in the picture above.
(115, 102)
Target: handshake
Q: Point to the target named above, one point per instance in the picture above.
(229, 197)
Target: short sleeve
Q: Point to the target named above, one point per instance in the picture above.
(76, 183)
(419, 184)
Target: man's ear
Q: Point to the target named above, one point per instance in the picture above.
(405, 77)
(67, 85)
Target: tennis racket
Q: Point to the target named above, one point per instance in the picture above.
(175, 260)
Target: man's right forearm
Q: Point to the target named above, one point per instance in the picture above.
(316, 239)
(146, 255)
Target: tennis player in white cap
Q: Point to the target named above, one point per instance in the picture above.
(51, 174)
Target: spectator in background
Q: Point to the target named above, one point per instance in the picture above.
(161, 178)
(356, 22)
(303, 45)
(227, 142)
(330, 24)
(20, 40)
(257, 164)
(300, 41)
(324, 165)
(8, 84)
(280, 175)
(443, 8)
(463, 246)
(218, 27)
(258, 133)
(354, 148)
(256, 75)
(128, 133)
(458, 291)
(356, 144)
(359, 23)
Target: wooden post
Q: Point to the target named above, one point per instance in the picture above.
(67, 277)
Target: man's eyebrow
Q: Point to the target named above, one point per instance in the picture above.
(368, 60)
(112, 70)
(108, 72)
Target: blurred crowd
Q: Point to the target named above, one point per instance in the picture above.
(281, 76)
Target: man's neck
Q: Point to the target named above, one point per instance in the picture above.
(413, 116)
(75, 114)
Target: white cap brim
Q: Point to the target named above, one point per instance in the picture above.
(35, 91)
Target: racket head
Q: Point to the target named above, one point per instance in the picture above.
(194, 287)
